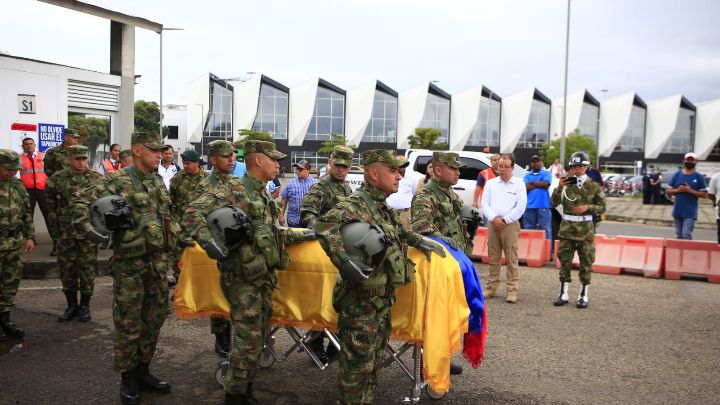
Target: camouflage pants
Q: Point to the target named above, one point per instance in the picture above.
(586, 253)
(218, 325)
(140, 302)
(77, 260)
(250, 311)
(11, 266)
(363, 331)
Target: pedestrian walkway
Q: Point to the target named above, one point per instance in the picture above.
(628, 209)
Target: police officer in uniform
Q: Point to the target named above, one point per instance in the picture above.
(365, 292)
(436, 209)
(580, 200)
(143, 247)
(16, 232)
(77, 256)
(248, 266)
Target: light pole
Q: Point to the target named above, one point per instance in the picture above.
(161, 75)
(567, 57)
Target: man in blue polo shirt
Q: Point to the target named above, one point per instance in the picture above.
(687, 186)
(537, 214)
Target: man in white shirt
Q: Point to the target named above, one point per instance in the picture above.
(713, 191)
(167, 167)
(402, 200)
(503, 203)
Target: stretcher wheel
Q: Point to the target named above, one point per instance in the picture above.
(221, 373)
(432, 394)
(266, 358)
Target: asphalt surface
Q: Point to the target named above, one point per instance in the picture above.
(641, 341)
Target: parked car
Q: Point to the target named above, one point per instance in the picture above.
(633, 185)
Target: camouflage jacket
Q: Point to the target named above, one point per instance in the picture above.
(56, 159)
(257, 260)
(590, 194)
(367, 205)
(436, 212)
(16, 224)
(323, 196)
(184, 189)
(61, 188)
(154, 230)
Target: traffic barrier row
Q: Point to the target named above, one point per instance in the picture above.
(533, 248)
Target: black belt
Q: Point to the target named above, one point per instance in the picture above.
(375, 292)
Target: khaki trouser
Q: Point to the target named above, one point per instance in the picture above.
(504, 240)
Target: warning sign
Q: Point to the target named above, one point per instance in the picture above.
(50, 135)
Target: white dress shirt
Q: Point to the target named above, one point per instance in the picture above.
(504, 199)
(403, 198)
(167, 173)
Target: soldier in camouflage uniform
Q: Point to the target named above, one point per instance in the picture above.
(16, 236)
(142, 256)
(248, 272)
(364, 318)
(56, 158)
(126, 158)
(577, 234)
(184, 185)
(77, 256)
(323, 196)
(436, 210)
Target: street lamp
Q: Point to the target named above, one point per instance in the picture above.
(161, 74)
(567, 55)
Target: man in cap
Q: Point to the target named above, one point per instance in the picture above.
(56, 158)
(126, 158)
(184, 185)
(248, 272)
(142, 256)
(323, 196)
(293, 194)
(16, 232)
(687, 186)
(77, 256)
(436, 209)
(364, 308)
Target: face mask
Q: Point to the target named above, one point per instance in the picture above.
(689, 165)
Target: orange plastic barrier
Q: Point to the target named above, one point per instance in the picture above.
(533, 248)
(480, 244)
(692, 257)
(615, 255)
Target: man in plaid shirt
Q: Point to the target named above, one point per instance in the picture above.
(294, 193)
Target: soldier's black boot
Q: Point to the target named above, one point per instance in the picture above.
(84, 310)
(129, 389)
(149, 382)
(455, 369)
(72, 307)
(53, 252)
(3, 336)
(9, 327)
(316, 345)
(582, 301)
(222, 343)
(234, 399)
(562, 299)
(249, 398)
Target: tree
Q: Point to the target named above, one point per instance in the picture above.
(426, 138)
(574, 142)
(252, 135)
(337, 140)
(93, 130)
(147, 117)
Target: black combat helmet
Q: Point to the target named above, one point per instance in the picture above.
(580, 158)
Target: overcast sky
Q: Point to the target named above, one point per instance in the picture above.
(658, 48)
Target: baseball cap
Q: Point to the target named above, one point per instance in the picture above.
(690, 156)
(303, 164)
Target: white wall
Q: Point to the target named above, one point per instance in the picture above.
(707, 127)
(176, 115)
(514, 117)
(662, 115)
(246, 96)
(464, 111)
(302, 105)
(572, 115)
(614, 120)
(411, 108)
(198, 107)
(359, 101)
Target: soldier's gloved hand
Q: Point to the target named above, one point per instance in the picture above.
(95, 236)
(355, 272)
(450, 242)
(309, 234)
(429, 246)
(214, 251)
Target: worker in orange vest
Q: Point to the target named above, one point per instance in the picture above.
(113, 163)
(483, 177)
(33, 177)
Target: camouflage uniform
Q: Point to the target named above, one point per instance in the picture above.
(328, 192)
(248, 273)
(436, 208)
(364, 318)
(56, 158)
(184, 189)
(77, 256)
(141, 258)
(16, 226)
(578, 235)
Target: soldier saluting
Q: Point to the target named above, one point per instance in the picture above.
(365, 291)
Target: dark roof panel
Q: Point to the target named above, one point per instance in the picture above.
(330, 86)
(541, 97)
(385, 89)
(639, 102)
(685, 103)
(433, 89)
(487, 92)
(270, 82)
(590, 99)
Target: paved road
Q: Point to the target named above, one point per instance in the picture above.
(623, 228)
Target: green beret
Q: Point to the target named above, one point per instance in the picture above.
(451, 159)
(264, 147)
(125, 153)
(383, 156)
(220, 148)
(342, 155)
(78, 151)
(150, 141)
(190, 155)
(9, 159)
(71, 132)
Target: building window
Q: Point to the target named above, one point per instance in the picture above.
(437, 115)
(383, 122)
(272, 112)
(489, 110)
(219, 121)
(716, 149)
(633, 138)
(681, 139)
(328, 116)
(589, 121)
(538, 128)
(172, 132)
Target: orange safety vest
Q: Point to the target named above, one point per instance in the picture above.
(110, 166)
(487, 175)
(32, 173)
